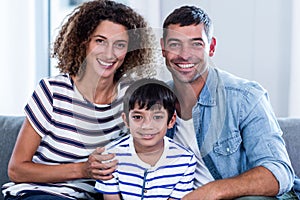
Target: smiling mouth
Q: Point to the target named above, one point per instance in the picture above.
(185, 66)
(147, 136)
(101, 62)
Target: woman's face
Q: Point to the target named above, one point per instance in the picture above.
(107, 49)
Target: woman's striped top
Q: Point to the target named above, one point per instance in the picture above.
(70, 128)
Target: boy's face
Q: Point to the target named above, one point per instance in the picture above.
(148, 127)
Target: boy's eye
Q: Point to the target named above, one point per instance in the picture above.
(137, 117)
(158, 117)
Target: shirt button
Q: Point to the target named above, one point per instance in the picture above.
(227, 149)
(145, 191)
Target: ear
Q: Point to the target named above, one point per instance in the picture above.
(162, 45)
(212, 46)
(172, 121)
(125, 119)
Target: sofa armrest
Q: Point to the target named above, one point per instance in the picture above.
(291, 135)
(9, 129)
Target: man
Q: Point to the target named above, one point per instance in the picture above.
(238, 141)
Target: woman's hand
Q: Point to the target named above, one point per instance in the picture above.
(100, 166)
(22, 169)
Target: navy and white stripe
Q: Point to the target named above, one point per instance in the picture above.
(171, 177)
(70, 128)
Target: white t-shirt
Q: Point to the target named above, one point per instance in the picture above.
(185, 135)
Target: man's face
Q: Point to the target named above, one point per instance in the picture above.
(186, 51)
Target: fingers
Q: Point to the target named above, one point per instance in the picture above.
(101, 166)
(105, 170)
(98, 155)
(99, 150)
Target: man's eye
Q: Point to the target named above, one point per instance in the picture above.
(174, 45)
(197, 44)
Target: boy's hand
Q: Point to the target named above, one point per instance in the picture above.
(100, 166)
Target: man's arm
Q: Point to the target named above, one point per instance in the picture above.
(257, 181)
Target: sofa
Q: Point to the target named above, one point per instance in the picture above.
(10, 126)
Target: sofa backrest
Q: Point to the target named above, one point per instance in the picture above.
(291, 135)
(10, 126)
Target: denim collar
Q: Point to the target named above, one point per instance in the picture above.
(208, 94)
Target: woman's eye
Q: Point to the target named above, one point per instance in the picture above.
(101, 41)
(120, 45)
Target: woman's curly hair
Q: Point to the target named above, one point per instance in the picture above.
(71, 42)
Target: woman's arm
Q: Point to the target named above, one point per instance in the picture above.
(22, 169)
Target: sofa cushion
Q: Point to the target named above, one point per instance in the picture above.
(291, 134)
(9, 129)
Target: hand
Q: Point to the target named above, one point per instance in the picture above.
(96, 167)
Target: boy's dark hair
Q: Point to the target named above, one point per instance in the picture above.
(189, 15)
(148, 92)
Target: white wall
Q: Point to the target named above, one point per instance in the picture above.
(23, 52)
(16, 54)
(294, 103)
(253, 41)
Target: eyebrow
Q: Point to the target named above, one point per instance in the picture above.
(155, 112)
(101, 36)
(178, 40)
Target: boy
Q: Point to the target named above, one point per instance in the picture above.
(151, 166)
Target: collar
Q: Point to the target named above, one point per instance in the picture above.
(208, 94)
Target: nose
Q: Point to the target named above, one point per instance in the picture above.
(185, 52)
(109, 52)
(147, 123)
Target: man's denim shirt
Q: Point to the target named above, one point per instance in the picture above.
(237, 130)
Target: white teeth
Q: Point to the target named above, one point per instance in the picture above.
(186, 65)
(104, 63)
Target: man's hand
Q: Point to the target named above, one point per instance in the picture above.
(100, 166)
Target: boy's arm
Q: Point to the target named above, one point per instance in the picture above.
(111, 197)
(187, 180)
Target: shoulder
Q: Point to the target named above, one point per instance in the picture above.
(59, 81)
(116, 145)
(177, 148)
(237, 85)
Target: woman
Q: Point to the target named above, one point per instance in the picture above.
(71, 114)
